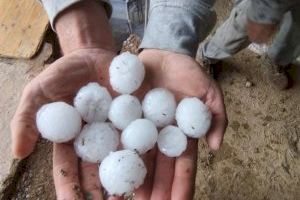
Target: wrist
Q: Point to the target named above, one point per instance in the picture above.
(181, 25)
(84, 25)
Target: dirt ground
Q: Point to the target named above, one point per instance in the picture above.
(260, 156)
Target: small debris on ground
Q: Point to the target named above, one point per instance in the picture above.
(131, 44)
(248, 84)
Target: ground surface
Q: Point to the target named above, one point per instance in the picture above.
(14, 74)
(259, 159)
(260, 156)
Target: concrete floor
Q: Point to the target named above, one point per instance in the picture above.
(14, 74)
(11, 83)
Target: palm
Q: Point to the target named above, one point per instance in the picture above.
(184, 77)
(167, 178)
(181, 74)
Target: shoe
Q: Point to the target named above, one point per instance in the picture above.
(213, 69)
(278, 75)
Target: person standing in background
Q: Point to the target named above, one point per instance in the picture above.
(256, 21)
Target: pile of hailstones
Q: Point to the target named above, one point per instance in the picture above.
(122, 171)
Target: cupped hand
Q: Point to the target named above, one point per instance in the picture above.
(170, 178)
(167, 178)
(60, 82)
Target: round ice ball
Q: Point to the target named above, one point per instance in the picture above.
(58, 122)
(140, 135)
(193, 117)
(96, 141)
(126, 73)
(171, 141)
(93, 101)
(121, 172)
(159, 106)
(123, 110)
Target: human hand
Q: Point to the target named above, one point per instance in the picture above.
(170, 178)
(86, 41)
(60, 82)
(260, 33)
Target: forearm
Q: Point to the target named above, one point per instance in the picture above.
(81, 25)
(178, 26)
(84, 25)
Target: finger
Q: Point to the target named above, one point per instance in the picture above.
(24, 136)
(215, 135)
(185, 172)
(65, 172)
(216, 132)
(144, 191)
(23, 129)
(90, 182)
(164, 174)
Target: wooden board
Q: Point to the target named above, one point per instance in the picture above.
(23, 24)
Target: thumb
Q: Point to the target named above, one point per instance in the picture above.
(23, 127)
(219, 123)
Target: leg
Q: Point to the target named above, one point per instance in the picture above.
(208, 27)
(285, 49)
(230, 37)
(286, 46)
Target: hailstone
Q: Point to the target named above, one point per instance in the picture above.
(123, 110)
(96, 141)
(121, 172)
(140, 135)
(171, 141)
(58, 122)
(193, 117)
(126, 73)
(159, 106)
(93, 101)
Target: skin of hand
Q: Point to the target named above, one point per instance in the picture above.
(260, 33)
(87, 43)
(170, 178)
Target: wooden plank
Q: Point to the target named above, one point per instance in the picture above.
(23, 24)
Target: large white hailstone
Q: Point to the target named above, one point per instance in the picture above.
(93, 101)
(140, 135)
(58, 122)
(126, 73)
(193, 117)
(171, 141)
(96, 141)
(123, 110)
(159, 106)
(121, 172)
